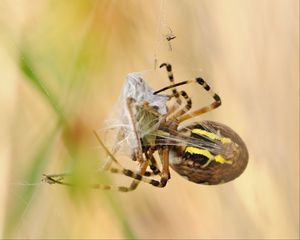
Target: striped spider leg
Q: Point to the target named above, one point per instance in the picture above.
(185, 114)
(177, 95)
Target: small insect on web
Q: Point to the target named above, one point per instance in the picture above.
(169, 37)
(151, 123)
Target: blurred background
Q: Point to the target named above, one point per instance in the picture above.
(62, 68)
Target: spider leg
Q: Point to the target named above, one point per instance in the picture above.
(164, 157)
(153, 165)
(138, 152)
(52, 180)
(152, 162)
(175, 107)
(217, 100)
(137, 179)
(173, 114)
(58, 177)
(171, 78)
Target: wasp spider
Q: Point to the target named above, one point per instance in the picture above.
(204, 152)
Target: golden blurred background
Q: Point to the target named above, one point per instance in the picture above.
(62, 67)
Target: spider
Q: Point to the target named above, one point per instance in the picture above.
(204, 152)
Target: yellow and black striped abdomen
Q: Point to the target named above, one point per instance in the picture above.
(214, 154)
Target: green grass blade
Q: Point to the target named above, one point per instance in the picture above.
(32, 175)
(27, 69)
(127, 229)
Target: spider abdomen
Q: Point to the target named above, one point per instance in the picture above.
(214, 154)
